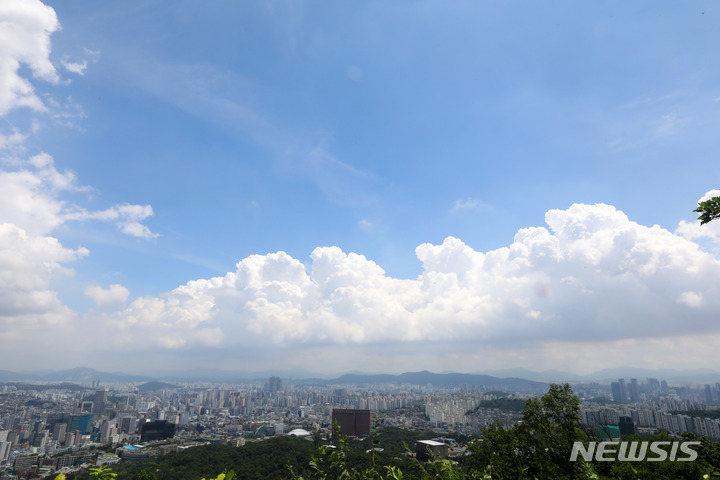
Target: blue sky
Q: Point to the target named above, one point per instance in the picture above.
(506, 184)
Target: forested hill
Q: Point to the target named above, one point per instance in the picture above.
(254, 461)
(268, 459)
(154, 386)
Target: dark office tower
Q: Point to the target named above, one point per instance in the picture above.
(40, 439)
(59, 431)
(708, 394)
(157, 430)
(55, 418)
(274, 384)
(352, 422)
(616, 393)
(101, 401)
(39, 426)
(626, 426)
(128, 425)
(82, 423)
(634, 392)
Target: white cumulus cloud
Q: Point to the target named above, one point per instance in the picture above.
(591, 275)
(105, 297)
(27, 265)
(25, 30)
(691, 299)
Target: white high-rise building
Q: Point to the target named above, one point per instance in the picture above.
(5, 450)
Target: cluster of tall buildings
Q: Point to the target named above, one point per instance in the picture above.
(653, 419)
(712, 394)
(635, 392)
(622, 392)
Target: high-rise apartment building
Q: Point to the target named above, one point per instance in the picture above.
(619, 391)
(274, 384)
(623, 390)
(634, 390)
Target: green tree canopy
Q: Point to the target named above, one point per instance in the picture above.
(537, 447)
(709, 210)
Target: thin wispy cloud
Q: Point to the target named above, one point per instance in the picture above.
(669, 124)
(234, 103)
(366, 224)
(467, 204)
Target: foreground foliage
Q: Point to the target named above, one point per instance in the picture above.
(709, 210)
(538, 447)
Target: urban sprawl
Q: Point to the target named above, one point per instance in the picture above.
(47, 429)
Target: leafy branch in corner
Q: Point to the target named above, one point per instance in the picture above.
(709, 210)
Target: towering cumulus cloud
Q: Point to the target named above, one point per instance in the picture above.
(591, 275)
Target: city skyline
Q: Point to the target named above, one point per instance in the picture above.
(374, 188)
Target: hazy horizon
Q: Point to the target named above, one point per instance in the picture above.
(84, 375)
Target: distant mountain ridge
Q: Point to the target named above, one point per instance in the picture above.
(447, 380)
(75, 375)
(516, 378)
(612, 374)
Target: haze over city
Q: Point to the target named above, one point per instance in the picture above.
(366, 187)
